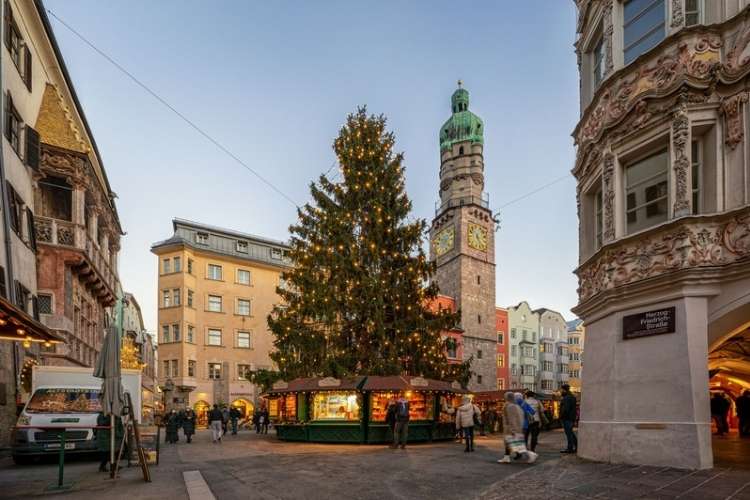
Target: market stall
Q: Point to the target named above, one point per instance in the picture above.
(353, 410)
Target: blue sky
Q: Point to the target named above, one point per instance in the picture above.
(274, 81)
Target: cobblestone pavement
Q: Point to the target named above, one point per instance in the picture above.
(248, 466)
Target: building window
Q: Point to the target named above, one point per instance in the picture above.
(546, 385)
(165, 363)
(513, 350)
(547, 366)
(514, 369)
(696, 172)
(166, 266)
(201, 238)
(176, 332)
(563, 368)
(165, 302)
(177, 264)
(512, 333)
(501, 383)
(190, 266)
(214, 371)
(242, 246)
(598, 62)
(165, 337)
(243, 372)
(479, 354)
(500, 338)
(646, 192)
(243, 276)
(451, 347)
(191, 334)
(575, 373)
(693, 9)
(479, 379)
(479, 280)
(500, 360)
(214, 272)
(44, 302)
(276, 253)
(191, 368)
(643, 26)
(479, 319)
(214, 303)
(176, 296)
(175, 372)
(190, 298)
(599, 218)
(214, 337)
(243, 307)
(243, 340)
(12, 125)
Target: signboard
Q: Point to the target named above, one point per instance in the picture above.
(329, 382)
(419, 382)
(648, 323)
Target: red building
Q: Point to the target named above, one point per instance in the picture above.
(454, 352)
(501, 326)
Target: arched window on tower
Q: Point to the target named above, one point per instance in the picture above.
(461, 150)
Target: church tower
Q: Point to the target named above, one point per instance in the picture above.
(462, 238)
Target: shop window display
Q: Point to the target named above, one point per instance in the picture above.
(288, 408)
(335, 406)
(421, 405)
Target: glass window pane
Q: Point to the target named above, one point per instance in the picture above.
(647, 192)
(644, 29)
(633, 8)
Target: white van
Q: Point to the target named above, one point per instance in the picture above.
(64, 397)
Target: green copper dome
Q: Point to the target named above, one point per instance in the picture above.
(463, 125)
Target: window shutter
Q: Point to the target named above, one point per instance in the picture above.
(7, 23)
(3, 288)
(33, 151)
(32, 228)
(13, 204)
(27, 67)
(35, 307)
(8, 114)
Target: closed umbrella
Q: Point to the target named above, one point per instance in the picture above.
(108, 368)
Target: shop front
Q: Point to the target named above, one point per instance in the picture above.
(354, 410)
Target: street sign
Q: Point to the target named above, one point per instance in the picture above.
(648, 323)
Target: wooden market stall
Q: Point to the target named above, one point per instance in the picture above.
(353, 410)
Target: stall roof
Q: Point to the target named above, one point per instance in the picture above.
(408, 383)
(17, 325)
(316, 384)
(486, 396)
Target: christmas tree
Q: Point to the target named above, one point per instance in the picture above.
(356, 301)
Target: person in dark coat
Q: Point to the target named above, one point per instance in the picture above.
(264, 420)
(256, 421)
(188, 424)
(173, 423)
(719, 411)
(103, 439)
(568, 413)
(234, 417)
(742, 405)
(390, 420)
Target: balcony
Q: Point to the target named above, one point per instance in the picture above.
(92, 266)
(483, 201)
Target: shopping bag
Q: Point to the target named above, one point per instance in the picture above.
(515, 444)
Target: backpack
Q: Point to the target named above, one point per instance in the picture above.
(402, 410)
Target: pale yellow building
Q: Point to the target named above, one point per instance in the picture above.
(576, 339)
(216, 289)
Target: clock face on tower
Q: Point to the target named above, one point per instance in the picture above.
(444, 240)
(477, 237)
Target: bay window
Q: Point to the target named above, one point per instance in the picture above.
(598, 62)
(646, 191)
(643, 27)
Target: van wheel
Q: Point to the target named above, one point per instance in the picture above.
(22, 459)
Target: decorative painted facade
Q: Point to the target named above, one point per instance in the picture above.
(664, 210)
(462, 239)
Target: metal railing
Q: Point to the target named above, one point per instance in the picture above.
(483, 201)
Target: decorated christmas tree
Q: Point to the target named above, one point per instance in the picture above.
(357, 300)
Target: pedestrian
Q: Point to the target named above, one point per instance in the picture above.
(468, 416)
(256, 421)
(401, 429)
(264, 420)
(719, 411)
(215, 419)
(173, 423)
(568, 414)
(188, 424)
(390, 421)
(742, 405)
(234, 416)
(224, 419)
(104, 439)
(515, 446)
(535, 421)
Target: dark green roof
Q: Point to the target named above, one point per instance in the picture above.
(463, 125)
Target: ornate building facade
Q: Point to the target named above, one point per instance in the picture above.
(664, 207)
(462, 236)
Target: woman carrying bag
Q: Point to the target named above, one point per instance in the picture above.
(467, 416)
(515, 444)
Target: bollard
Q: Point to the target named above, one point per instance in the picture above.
(62, 460)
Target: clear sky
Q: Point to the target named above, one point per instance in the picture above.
(274, 81)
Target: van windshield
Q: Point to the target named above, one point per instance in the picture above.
(61, 400)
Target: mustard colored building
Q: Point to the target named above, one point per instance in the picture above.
(215, 289)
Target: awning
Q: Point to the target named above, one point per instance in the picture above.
(18, 326)
(409, 383)
(315, 384)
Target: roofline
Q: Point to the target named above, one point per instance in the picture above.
(182, 242)
(232, 232)
(42, 11)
